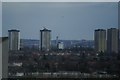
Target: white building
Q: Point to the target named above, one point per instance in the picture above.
(14, 39)
(60, 45)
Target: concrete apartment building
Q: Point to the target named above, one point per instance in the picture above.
(112, 40)
(14, 39)
(45, 40)
(100, 40)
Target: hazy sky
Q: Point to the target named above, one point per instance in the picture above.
(73, 21)
(61, 0)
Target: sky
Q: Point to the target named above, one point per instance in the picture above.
(60, 0)
(69, 21)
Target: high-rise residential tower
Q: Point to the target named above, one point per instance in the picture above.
(14, 39)
(45, 39)
(112, 40)
(100, 40)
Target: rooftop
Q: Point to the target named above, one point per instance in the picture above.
(45, 29)
(100, 30)
(13, 30)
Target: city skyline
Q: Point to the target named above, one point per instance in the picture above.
(64, 19)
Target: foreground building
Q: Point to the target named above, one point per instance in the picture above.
(119, 23)
(4, 57)
(112, 40)
(14, 39)
(45, 39)
(100, 40)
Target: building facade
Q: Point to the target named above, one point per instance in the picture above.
(112, 40)
(45, 40)
(100, 40)
(14, 39)
(4, 48)
(60, 45)
(119, 23)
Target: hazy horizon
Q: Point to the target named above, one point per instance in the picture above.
(53, 39)
(69, 21)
